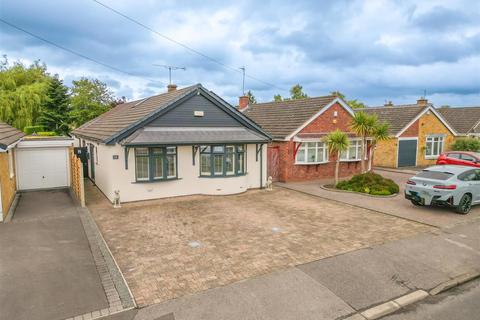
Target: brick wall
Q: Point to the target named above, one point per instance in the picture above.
(411, 131)
(326, 122)
(8, 184)
(431, 125)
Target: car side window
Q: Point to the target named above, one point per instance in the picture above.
(477, 175)
(469, 175)
(453, 155)
(467, 157)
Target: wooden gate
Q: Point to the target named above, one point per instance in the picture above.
(273, 154)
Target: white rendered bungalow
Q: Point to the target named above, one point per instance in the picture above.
(183, 142)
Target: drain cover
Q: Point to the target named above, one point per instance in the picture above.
(194, 244)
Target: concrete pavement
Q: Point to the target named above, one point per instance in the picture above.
(47, 270)
(397, 206)
(336, 287)
(460, 303)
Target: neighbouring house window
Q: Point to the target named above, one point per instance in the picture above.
(311, 153)
(222, 160)
(434, 146)
(155, 163)
(353, 152)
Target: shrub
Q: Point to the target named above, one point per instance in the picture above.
(47, 133)
(370, 183)
(466, 144)
(32, 129)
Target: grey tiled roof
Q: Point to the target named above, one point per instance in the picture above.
(9, 135)
(165, 136)
(282, 118)
(463, 120)
(397, 116)
(124, 115)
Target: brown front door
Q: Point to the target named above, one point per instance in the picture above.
(273, 163)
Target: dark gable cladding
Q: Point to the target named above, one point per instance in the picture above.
(464, 120)
(123, 120)
(9, 135)
(282, 118)
(397, 116)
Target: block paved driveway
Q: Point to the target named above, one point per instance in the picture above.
(240, 237)
(397, 206)
(46, 268)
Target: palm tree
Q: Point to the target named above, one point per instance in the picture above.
(380, 133)
(337, 142)
(363, 125)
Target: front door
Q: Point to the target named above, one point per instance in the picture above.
(407, 153)
(273, 163)
(92, 162)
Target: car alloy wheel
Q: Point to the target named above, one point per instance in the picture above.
(465, 204)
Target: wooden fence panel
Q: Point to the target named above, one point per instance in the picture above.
(76, 178)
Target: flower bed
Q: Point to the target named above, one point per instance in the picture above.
(370, 183)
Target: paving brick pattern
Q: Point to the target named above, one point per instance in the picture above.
(240, 236)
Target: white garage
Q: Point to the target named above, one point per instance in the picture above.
(43, 163)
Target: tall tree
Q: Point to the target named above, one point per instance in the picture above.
(251, 98)
(296, 92)
(337, 142)
(55, 111)
(22, 92)
(90, 98)
(354, 104)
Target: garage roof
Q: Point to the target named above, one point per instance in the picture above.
(9, 135)
(398, 116)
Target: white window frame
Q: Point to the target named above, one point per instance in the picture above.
(318, 145)
(431, 139)
(358, 151)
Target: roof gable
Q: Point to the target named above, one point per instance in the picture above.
(284, 119)
(9, 135)
(464, 120)
(402, 117)
(121, 121)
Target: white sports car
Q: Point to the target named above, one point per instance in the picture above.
(447, 185)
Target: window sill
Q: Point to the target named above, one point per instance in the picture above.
(431, 157)
(230, 176)
(309, 163)
(351, 160)
(154, 181)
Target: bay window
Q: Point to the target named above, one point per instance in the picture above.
(353, 152)
(222, 160)
(434, 146)
(312, 153)
(155, 163)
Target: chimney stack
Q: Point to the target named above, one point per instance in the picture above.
(388, 104)
(171, 87)
(422, 101)
(243, 103)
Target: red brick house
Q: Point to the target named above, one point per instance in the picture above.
(298, 152)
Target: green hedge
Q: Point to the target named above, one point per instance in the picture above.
(370, 183)
(47, 133)
(33, 129)
(466, 144)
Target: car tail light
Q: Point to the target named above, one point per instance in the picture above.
(450, 187)
(411, 182)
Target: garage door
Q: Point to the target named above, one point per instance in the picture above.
(42, 168)
(407, 153)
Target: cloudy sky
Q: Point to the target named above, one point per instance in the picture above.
(370, 50)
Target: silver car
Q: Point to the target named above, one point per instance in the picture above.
(454, 186)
